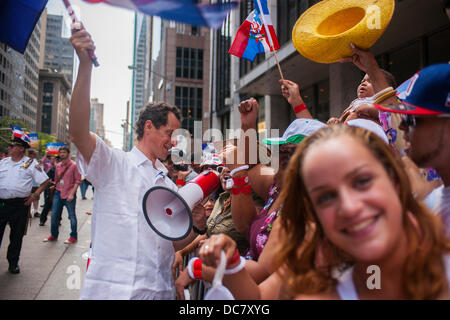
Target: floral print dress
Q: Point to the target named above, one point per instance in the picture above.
(261, 226)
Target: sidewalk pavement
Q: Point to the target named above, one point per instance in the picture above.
(49, 270)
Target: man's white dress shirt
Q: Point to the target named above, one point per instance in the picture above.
(128, 259)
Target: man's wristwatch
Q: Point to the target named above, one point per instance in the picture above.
(36, 196)
(201, 232)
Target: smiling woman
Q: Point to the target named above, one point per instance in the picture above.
(350, 207)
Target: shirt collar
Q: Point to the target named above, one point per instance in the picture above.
(139, 158)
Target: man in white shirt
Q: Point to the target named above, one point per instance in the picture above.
(128, 260)
(17, 175)
(426, 110)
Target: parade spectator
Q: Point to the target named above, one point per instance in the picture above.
(17, 175)
(32, 154)
(84, 187)
(128, 259)
(347, 205)
(220, 221)
(266, 183)
(362, 107)
(426, 123)
(49, 191)
(67, 180)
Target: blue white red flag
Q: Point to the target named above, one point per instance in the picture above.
(19, 133)
(17, 21)
(53, 148)
(185, 11)
(256, 34)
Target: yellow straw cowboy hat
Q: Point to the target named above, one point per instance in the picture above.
(324, 32)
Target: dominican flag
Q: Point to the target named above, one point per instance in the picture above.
(53, 148)
(256, 34)
(19, 133)
(185, 11)
(17, 21)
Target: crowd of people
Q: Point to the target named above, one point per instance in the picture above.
(24, 177)
(345, 196)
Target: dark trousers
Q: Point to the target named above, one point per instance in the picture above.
(47, 205)
(15, 213)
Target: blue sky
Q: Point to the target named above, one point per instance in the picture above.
(112, 31)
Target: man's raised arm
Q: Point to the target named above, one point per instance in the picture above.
(80, 104)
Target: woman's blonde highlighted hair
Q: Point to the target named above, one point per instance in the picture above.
(310, 258)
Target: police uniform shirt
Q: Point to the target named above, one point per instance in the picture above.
(16, 178)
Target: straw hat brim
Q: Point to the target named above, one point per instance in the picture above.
(323, 33)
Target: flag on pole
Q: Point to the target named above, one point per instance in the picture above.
(34, 139)
(19, 133)
(17, 21)
(256, 34)
(52, 149)
(185, 11)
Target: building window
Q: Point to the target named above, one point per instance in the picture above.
(438, 47)
(317, 99)
(189, 63)
(288, 12)
(222, 65)
(190, 101)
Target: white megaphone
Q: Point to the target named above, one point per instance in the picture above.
(168, 212)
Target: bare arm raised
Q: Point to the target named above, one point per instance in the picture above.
(80, 104)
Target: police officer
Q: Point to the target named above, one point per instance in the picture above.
(17, 173)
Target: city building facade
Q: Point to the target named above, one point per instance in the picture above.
(416, 37)
(53, 105)
(59, 53)
(19, 80)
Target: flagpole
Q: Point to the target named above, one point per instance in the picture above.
(269, 36)
(75, 20)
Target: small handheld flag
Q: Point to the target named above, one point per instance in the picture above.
(19, 133)
(256, 35)
(53, 148)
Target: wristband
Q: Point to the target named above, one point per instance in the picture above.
(234, 258)
(197, 266)
(240, 181)
(235, 191)
(238, 268)
(246, 189)
(180, 182)
(236, 170)
(300, 108)
(193, 267)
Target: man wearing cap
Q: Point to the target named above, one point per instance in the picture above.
(17, 174)
(425, 107)
(128, 260)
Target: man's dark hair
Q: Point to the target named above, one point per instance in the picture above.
(158, 114)
(389, 78)
(66, 148)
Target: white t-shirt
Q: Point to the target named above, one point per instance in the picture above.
(16, 181)
(128, 259)
(440, 200)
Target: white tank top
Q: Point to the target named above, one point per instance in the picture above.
(347, 290)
